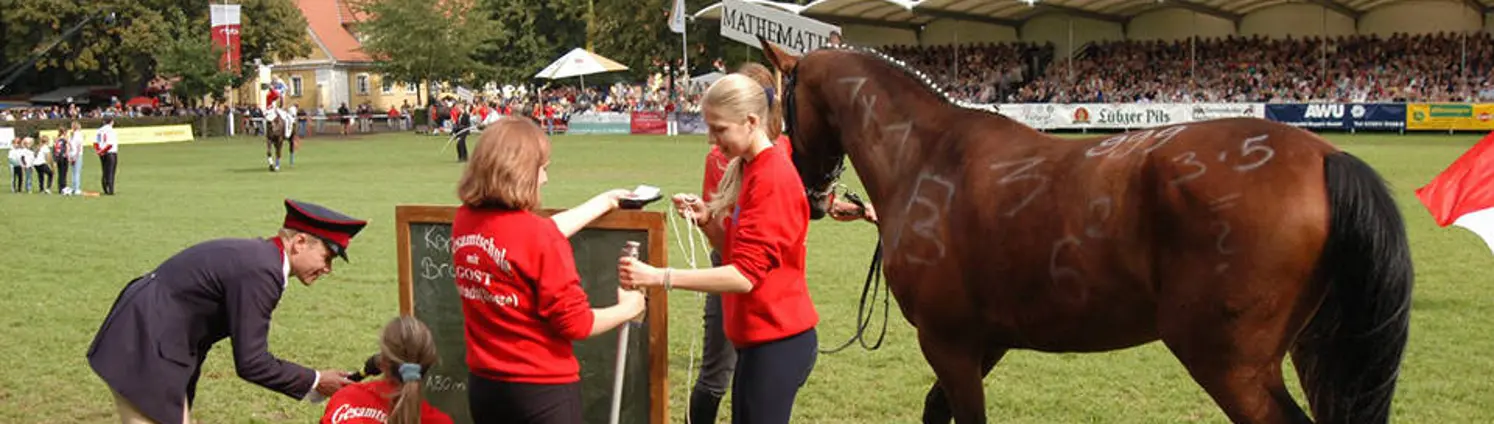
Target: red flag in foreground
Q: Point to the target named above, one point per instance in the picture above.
(1463, 194)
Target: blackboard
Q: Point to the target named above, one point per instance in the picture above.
(428, 291)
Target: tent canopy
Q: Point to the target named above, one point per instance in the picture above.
(579, 62)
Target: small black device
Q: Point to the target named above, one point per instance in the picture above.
(370, 369)
(641, 196)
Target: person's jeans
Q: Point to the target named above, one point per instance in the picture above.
(78, 175)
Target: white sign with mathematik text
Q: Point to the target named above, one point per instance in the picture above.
(743, 21)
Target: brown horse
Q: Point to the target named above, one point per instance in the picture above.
(275, 139)
(1232, 241)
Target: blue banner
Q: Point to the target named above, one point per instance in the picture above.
(1340, 116)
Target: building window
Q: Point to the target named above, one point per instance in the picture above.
(411, 88)
(388, 85)
(295, 88)
(362, 83)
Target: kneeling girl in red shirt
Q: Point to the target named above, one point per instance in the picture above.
(406, 352)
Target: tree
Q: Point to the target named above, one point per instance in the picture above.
(535, 33)
(190, 56)
(122, 49)
(426, 41)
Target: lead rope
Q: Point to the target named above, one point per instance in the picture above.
(690, 259)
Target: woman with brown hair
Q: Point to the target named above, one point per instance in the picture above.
(522, 301)
(406, 352)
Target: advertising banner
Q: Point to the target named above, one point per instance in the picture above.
(1314, 116)
(650, 122)
(600, 123)
(1450, 116)
(225, 21)
(6, 135)
(690, 123)
(137, 135)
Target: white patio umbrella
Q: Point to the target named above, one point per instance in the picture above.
(579, 63)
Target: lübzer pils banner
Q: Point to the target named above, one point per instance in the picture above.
(226, 20)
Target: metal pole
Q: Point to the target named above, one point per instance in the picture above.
(1071, 50)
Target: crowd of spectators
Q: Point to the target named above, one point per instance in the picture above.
(1362, 68)
(1443, 67)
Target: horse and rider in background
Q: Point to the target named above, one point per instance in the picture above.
(279, 126)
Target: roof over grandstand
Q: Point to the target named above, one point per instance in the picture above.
(914, 13)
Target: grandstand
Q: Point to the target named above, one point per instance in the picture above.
(1124, 51)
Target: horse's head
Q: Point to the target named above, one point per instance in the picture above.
(818, 154)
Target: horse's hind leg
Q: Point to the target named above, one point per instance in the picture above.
(936, 407)
(957, 362)
(1236, 353)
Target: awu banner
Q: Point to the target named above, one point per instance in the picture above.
(1339, 116)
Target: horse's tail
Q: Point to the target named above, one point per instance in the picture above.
(1349, 356)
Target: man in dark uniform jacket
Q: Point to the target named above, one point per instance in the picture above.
(152, 344)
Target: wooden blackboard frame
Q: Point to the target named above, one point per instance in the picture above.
(658, 299)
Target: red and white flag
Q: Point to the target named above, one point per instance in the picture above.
(1463, 194)
(226, 20)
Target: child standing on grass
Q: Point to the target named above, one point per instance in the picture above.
(75, 157)
(39, 164)
(59, 157)
(18, 161)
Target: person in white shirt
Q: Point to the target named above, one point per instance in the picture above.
(40, 167)
(75, 158)
(106, 145)
(19, 161)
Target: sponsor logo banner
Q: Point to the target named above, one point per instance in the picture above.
(650, 122)
(600, 123)
(138, 135)
(1450, 116)
(1367, 116)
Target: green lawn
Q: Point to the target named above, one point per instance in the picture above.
(67, 258)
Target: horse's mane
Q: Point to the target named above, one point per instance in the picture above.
(916, 75)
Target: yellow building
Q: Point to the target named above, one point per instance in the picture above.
(337, 71)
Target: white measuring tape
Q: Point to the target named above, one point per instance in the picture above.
(688, 244)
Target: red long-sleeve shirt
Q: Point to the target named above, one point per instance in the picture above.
(765, 241)
(521, 296)
(370, 403)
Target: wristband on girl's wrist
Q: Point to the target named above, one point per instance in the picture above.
(668, 272)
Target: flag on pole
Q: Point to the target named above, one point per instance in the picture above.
(1463, 194)
(677, 17)
(225, 22)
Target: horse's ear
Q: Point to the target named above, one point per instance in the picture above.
(781, 60)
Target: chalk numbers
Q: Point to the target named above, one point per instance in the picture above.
(1189, 160)
(1253, 147)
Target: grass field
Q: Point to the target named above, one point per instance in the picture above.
(67, 258)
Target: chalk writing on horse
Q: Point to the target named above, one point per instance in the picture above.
(1057, 271)
(1101, 207)
(1023, 172)
(1111, 146)
(1250, 147)
(933, 210)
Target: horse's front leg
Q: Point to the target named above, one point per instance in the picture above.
(960, 365)
(936, 407)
